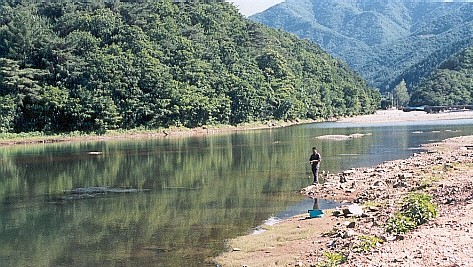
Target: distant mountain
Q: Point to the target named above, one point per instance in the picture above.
(382, 40)
(450, 84)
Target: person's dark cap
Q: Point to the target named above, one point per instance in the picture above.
(314, 148)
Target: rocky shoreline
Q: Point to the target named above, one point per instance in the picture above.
(444, 172)
(399, 116)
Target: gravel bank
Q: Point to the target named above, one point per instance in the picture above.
(384, 116)
(445, 172)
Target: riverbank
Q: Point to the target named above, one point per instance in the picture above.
(173, 132)
(444, 172)
(381, 116)
(386, 116)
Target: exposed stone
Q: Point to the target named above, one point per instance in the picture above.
(309, 188)
(399, 184)
(351, 225)
(379, 183)
(354, 210)
(388, 238)
(447, 166)
(336, 213)
(353, 185)
(405, 176)
(349, 233)
(332, 243)
(373, 208)
(349, 172)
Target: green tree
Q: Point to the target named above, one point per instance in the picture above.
(400, 94)
(7, 114)
(100, 65)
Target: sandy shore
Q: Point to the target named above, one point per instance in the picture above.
(383, 116)
(444, 172)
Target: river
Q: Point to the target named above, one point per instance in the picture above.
(174, 201)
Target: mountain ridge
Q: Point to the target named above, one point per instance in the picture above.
(379, 39)
(450, 84)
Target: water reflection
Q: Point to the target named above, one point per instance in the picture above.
(316, 204)
(299, 208)
(200, 191)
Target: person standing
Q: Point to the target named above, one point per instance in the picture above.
(315, 162)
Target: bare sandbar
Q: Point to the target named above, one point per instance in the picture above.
(385, 116)
(380, 116)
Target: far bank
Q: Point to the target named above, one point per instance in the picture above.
(387, 116)
(381, 116)
(173, 132)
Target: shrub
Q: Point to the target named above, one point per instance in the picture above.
(332, 259)
(399, 224)
(367, 243)
(417, 209)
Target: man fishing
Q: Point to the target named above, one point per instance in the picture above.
(315, 162)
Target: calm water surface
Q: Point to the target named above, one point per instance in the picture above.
(198, 191)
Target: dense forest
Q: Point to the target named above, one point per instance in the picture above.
(450, 84)
(385, 41)
(100, 65)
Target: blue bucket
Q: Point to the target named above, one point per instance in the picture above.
(316, 213)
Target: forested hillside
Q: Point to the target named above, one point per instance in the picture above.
(98, 65)
(450, 84)
(385, 41)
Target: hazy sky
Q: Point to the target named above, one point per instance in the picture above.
(249, 7)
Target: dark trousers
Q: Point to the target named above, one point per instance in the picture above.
(315, 171)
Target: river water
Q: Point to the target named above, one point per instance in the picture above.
(193, 193)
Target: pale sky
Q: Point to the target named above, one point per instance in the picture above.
(250, 7)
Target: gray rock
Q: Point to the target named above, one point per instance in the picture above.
(336, 213)
(355, 209)
(349, 233)
(373, 208)
(332, 243)
(404, 175)
(388, 238)
(349, 172)
(350, 225)
(379, 183)
(447, 166)
(400, 184)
